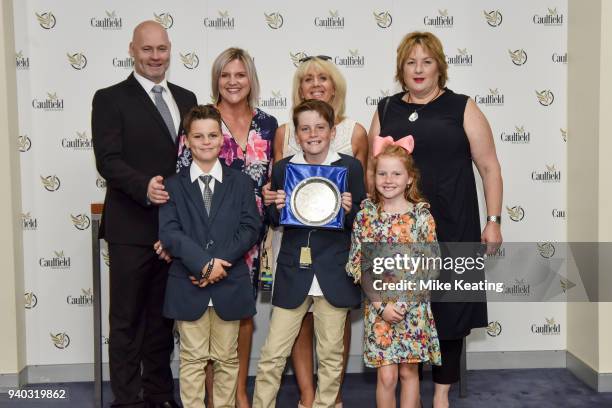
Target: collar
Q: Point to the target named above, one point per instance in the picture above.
(147, 84)
(332, 157)
(216, 172)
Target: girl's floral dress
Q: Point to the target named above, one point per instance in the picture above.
(255, 161)
(414, 339)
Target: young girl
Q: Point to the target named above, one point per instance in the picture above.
(397, 335)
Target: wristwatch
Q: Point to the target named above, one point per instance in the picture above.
(494, 218)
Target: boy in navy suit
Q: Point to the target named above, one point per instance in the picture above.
(208, 224)
(322, 283)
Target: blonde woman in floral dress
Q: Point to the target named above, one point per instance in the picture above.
(397, 335)
(248, 140)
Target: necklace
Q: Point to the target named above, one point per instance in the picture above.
(415, 115)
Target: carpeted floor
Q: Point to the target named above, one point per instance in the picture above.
(541, 388)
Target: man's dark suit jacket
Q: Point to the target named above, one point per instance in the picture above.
(329, 249)
(194, 238)
(132, 144)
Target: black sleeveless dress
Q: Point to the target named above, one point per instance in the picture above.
(442, 154)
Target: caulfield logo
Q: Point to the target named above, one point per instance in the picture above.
(28, 223)
(21, 62)
(494, 98)
(518, 57)
(563, 135)
(46, 20)
(383, 19)
(51, 103)
(123, 62)
(352, 60)
(518, 136)
(274, 20)
(516, 213)
(80, 142)
(545, 97)
(100, 182)
(165, 19)
(108, 22)
(566, 284)
(276, 101)
(493, 18)
(85, 298)
(494, 329)
(190, 60)
(546, 249)
(80, 221)
(550, 328)
(559, 58)
(24, 143)
(106, 258)
(222, 22)
(60, 340)
(105, 340)
(551, 18)
(519, 288)
(551, 175)
(77, 61)
(462, 58)
(333, 21)
(442, 20)
(295, 58)
(558, 214)
(30, 300)
(58, 261)
(374, 100)
(50, 183)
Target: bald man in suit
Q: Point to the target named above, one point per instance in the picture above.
(135, 124)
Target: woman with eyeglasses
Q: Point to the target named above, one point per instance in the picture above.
(318, 78)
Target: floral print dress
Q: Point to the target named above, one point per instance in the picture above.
(414, 339)
(255, 161)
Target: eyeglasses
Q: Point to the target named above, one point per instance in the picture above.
(310, 57)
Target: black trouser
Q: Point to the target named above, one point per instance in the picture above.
(448, 372)
(140, 339)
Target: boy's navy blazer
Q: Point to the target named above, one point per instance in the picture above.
(194, 238)
(329, 249)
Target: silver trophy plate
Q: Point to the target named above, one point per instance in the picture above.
(315, 201)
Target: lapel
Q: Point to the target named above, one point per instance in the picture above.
(145, 99)
(194, 193)
(220, 190)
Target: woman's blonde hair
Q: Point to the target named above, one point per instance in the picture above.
(430, 43)
(225, 58)
(411, 192)
(329, 68)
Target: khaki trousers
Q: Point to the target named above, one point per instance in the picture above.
(284, 328)
(208, 338)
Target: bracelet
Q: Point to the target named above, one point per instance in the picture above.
(209, 269)
(494, 218)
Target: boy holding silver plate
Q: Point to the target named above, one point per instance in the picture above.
(310, 266)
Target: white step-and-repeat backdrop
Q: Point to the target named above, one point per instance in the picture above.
(511, 58)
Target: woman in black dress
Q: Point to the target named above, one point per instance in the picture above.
(450, 133)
